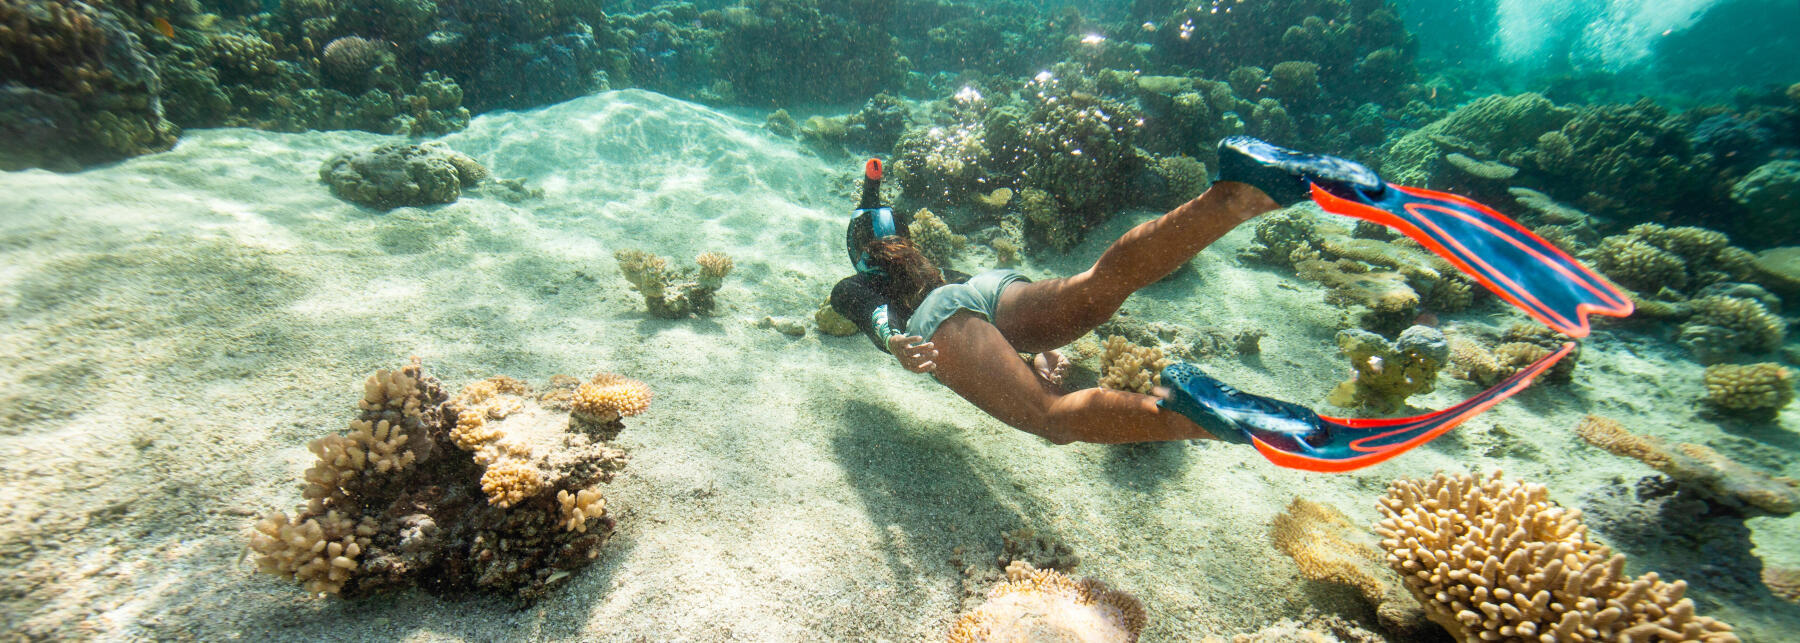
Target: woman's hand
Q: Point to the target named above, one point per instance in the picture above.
(914, 353)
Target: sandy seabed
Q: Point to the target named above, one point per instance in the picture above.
(175, 328)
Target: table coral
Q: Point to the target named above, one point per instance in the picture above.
(511, 505)
(1755, 390)
(1386, 373)
(1327, 547)
(1498, 560)
(1044, 605)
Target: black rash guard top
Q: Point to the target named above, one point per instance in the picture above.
(856, 298)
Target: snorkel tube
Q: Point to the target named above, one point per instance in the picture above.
(870, 220)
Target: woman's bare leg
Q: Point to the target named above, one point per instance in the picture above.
(1042, 315)
(980, 365)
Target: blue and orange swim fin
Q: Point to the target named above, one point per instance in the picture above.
(1514, 263)
(1295, 437)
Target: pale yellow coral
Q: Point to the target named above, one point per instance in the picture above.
(393, 391)
(472, 430)
(369, 448)
(1045, 605)
(1128, 367)
(935, 239)
(1493, 560)
(831, 323)
(508, 482)
(319, 552)
(713, 267)
(996, 199)
(608, 397)
(1756, 389)
(580, 507)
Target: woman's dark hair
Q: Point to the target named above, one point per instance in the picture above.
(909, 275)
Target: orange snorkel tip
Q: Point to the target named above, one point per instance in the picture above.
(872, 170)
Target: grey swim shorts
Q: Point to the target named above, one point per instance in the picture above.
(980, 295)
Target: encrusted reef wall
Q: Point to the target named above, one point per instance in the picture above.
(495, 489)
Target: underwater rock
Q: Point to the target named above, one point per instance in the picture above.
(831, 323)
(1386, 373)
(496, 489)
(1779, 270)
(401, 174)
(1458, 541)
(1327, 547)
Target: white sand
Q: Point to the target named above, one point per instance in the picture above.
(173, 329)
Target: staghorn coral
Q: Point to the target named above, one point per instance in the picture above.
(1043, 605)
(1755, 390)
(1386, 373)
(673, 293)
(1493, 560)
(468, 512)
(580, 507)
(1699, 466)
(1127, 367)
(1327, 547)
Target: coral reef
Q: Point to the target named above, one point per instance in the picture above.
(400, 174)
(1327, 547)
(1386, 373)
(397, 503)
(1730, 483)
(775, 51)
(1128, 367)
(1756, 390)
(1650, 258)
(77, 87)
(674, 293)
(1041, 605)
(1493, 560)
(1771, 193)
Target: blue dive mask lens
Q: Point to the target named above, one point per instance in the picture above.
(881, 224)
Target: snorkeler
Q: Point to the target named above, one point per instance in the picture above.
(967, 331)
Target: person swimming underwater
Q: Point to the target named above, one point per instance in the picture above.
(968, 330)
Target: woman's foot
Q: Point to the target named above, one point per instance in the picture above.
(1051, 365)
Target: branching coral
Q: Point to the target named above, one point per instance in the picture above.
(674, 293)
(473, 492)
(1697, 465)
(1389, 372)
(1755, 390)
(1719, 327)
(1498, 560)
(320, 553)
(1327, 547)
(580, 507)
(1128, 367)
(608, 397)
(1044, 605)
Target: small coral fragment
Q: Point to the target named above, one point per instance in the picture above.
(1128, 367)
(580, 507)
(1044, 605)
(608, 397)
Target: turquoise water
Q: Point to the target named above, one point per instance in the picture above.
(219, 219)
